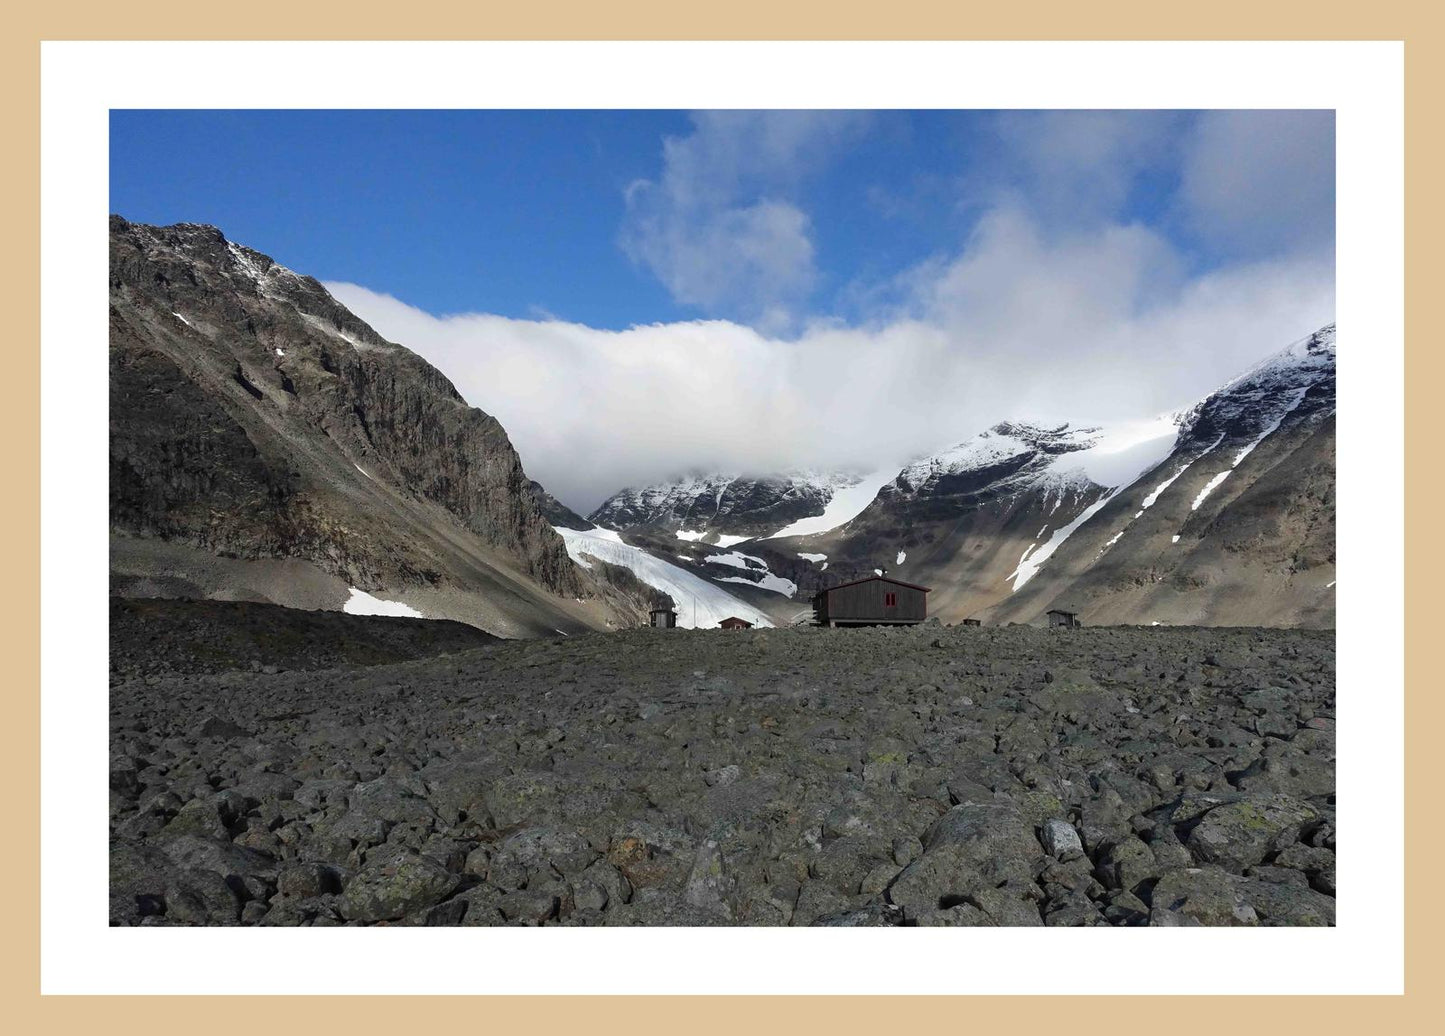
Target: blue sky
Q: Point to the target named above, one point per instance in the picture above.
(524, 213)
(1076, 265)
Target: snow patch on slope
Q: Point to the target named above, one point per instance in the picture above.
(768, 581)
(1029, 566)
(845, 505)
(757, 566)
(1209, 487)
(1123, 452)
(735, 560)
(362, 603)
(1296, 397)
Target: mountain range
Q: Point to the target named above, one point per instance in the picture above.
(268, 445)
(1220, 514)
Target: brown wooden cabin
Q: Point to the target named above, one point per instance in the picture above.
(874, 601)
(662, 618)
(1059, 617)
(732, 622)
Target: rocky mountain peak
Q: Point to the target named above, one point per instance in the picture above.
(724, 503)
(255, 417)
(1298, 380)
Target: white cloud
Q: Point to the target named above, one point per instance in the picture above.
(1055, 308)
(1260, 181)
(718, 227)
(758, 257)
(1089, 326)
(1076, 167)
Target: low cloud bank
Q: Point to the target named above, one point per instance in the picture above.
(1088, 327)
(1123, 264)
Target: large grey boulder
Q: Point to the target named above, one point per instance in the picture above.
(395, 887)
(970, 849)
(146, 885)
(1241, 834)
(1200, 896)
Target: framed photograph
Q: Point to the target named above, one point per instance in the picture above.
(577, 487)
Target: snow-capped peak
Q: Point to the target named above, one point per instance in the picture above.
(1060, 457)
(1263, 395)
(725, 507)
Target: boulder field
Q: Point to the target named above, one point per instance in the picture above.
(918, 776)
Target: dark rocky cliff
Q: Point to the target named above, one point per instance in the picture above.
(253, 416)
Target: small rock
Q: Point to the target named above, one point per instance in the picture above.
(1061, 841)
(722, 777)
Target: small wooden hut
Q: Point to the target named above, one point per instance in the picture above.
(874, 601)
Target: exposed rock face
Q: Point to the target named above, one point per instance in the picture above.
(556, 512)
(253, 417)
(954, 776)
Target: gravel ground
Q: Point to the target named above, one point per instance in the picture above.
(932, 775)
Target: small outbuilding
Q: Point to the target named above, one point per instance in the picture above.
(662, 618)
(732, 622)
(1059, 617)
(874, 601)
(973, 622)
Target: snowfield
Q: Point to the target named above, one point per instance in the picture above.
(765, 579)
(362, 603)
(846, 504)
(700, 604)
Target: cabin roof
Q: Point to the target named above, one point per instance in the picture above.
(734, 618)
(870, 579)
(656, 611)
